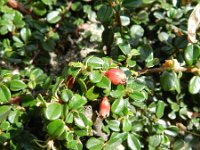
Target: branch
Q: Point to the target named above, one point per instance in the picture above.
(162, 69)
(18, 6)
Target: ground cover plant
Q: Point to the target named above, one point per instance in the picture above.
(99, 74)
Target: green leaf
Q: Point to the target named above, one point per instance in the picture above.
(91, 94)
(131, 63)
(76, 6)
(137, 96)
(25, 34)
(132, 3)
(94, 62)
(81, 121)
(82, 85)
(53, 111)
(18, 20)
(194, 85)
(125, 48)
(66, 95)
(53, 17)
(69, 117)
(172, 131)
(36, 74)
(105, 13)
(16, 85)
(118, 106)
(178, 144)
(39, 8)
(115, 140)
(125, 21)
(191, 54)
(133, 142)
(169, 81)
(160, 109)
(155, 140)
(5, 125)
(56, 128)
(146, 53)
(117, 93)
(77, 101)
(105, 83)
(95, 143)
(136, 31)
(5, 94)
(95, 76)
(75, 145)
(136, 86)
(4, 112)
(126, 126)
(163, 36)
(14, 116)
(114, 125)
(49, 2)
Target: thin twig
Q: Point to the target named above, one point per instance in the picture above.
(18, 6)
(162, 69)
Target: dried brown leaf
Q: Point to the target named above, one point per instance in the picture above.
(193, 24)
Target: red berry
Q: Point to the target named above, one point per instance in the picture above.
(104, 109)
(116, 76)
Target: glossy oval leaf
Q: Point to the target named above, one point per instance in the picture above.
(194, 85)
(36, 74)
(118, 106)
(95, 76)
(95, 143)
(115, 140)
(5, 94)
(91, 94)
(132, 3)
(169, 81)
(105, 13)
(125, 21)
(66, 95)
(133, 142)
(94, 62)
(105, 83)
(4, 112)
(53, 17)
(16, 85)
(82, 85)
(155, 140)
(39, 8)
(191, 54)
(114, 125)
(25, 34)
(136, 31)
(137, 96)
(126, 125)
(56, 128)
(172, 131)
(160, 108)
(77, 101)
(53, 111)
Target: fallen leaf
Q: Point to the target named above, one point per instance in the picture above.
(193, 24)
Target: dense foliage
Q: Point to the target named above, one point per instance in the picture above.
(49, 100)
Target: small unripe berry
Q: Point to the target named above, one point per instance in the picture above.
(104, 108)
(116, 76)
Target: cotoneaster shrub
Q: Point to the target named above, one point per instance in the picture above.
(152, 102)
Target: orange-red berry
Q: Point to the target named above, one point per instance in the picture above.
(104, 108)
(116, 76)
